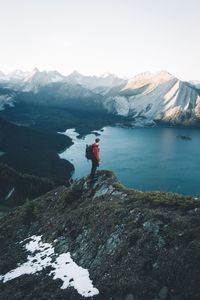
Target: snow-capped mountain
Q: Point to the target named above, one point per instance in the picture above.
(196, 83)
(36, 79)
(30, 81)
(156, 97)
(102, 83)
(148, 78)
(16, 76)
(13, 80)
(146, 98)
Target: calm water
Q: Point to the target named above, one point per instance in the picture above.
(144, 158)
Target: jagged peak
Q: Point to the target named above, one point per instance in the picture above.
(75, 73)
(163, 75)
(147, 78)
(108, 74)
(35, 70)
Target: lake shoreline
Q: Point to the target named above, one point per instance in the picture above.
(169, 137)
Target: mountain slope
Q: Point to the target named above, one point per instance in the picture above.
(7, 97)
(134, 245)
(34, 151)
(16, 188)
(36, 79)
(196, 84)
(30, 81)
(157, 97)
(106, 81)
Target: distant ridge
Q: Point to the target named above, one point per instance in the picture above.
(147, 98)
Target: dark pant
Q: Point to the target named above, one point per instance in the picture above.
(95, 164)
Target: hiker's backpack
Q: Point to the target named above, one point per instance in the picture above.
(88, 152)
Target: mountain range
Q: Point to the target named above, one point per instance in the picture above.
(146, 98)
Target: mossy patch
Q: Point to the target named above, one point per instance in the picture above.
(156, 198)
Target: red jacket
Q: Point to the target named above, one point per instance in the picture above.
(95, 150)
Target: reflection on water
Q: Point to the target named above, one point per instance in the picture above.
(144, 158)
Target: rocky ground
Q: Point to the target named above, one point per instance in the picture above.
(135, 245)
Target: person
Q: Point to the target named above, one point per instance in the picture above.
(95, 159)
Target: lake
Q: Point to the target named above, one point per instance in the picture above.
(156, 158)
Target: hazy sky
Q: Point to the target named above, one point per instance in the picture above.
(125, 37)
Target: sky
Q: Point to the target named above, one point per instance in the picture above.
(125, 37)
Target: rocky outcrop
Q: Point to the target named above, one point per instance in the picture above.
(135, 245)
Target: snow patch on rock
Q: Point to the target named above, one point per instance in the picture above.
(5, 100)
(42, 255)
(10, 193)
